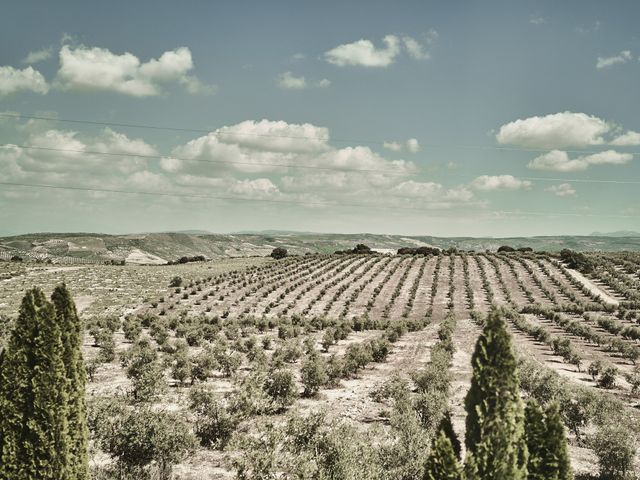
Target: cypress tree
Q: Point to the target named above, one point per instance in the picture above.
(536, 430)
(556, 464)
(547, 443)
(33, 396)
(495, 438)
(446, 426)
(442, 463)
(71, 329)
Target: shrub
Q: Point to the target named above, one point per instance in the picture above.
(616, 450)
(314, 374)
(280, 386)
(214, 424)
(144, 370)
(608, 377)
(131, 328)
(139, 437)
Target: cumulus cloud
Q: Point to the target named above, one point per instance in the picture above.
(562, 190)
(364, 53)
(434, 194)
(627, 139)
(276, 136)
(289, 81)
(259, 188)
(38, 56)
(67, 157)
(607, 62)
(13, 80)
(415, 49)
(536, 20)
(559, 130)
(250, 160)
(412, 145)
(559, 161)
(499, 182)
(393, 146)
(98, 69)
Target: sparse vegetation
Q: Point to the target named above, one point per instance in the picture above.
(221, 354)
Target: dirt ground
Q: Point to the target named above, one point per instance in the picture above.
(344, 286)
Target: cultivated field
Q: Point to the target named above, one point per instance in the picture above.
(370, 321)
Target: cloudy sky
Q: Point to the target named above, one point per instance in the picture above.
(439, 118)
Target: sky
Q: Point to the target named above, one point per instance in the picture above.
(466, 118)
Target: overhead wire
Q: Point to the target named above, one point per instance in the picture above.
(409, 170)
(220, 132)
(297, 202)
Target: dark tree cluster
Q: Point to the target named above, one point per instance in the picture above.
(195, 258)
(576, 260)
(419, 251)
(279, 253)
(360, 248)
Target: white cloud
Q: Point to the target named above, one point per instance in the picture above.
(412, 188)
(194, 86)
(38, 56)
(628, 139)
(499, 182)
(364, 53)
(260, 188)
(415, 49)
(297, 57)
(393, 146)
(559, 130)
(98, 69)
(66, 157)
(13, 80)
(536, 20)
(412, 145)
(606, 62)
(562, 190)
(277, 136)
(288, 81)
(434, 194)
(559, 161)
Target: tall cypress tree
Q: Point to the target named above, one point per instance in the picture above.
(547, 443)
(556, 464)
(536, 431)
(71, 329)
(495, 438)
(442, 463)
(33, 396)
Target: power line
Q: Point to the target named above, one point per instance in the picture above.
(294, 137)
(201, 160)
(288, 165)
(294, 202)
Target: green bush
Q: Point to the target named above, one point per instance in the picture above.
(214, 424)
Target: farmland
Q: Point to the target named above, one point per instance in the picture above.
(233, 327)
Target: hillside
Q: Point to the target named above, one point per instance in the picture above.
(150, 248)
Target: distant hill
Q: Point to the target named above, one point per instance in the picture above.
(158, 248)
(620, 233)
